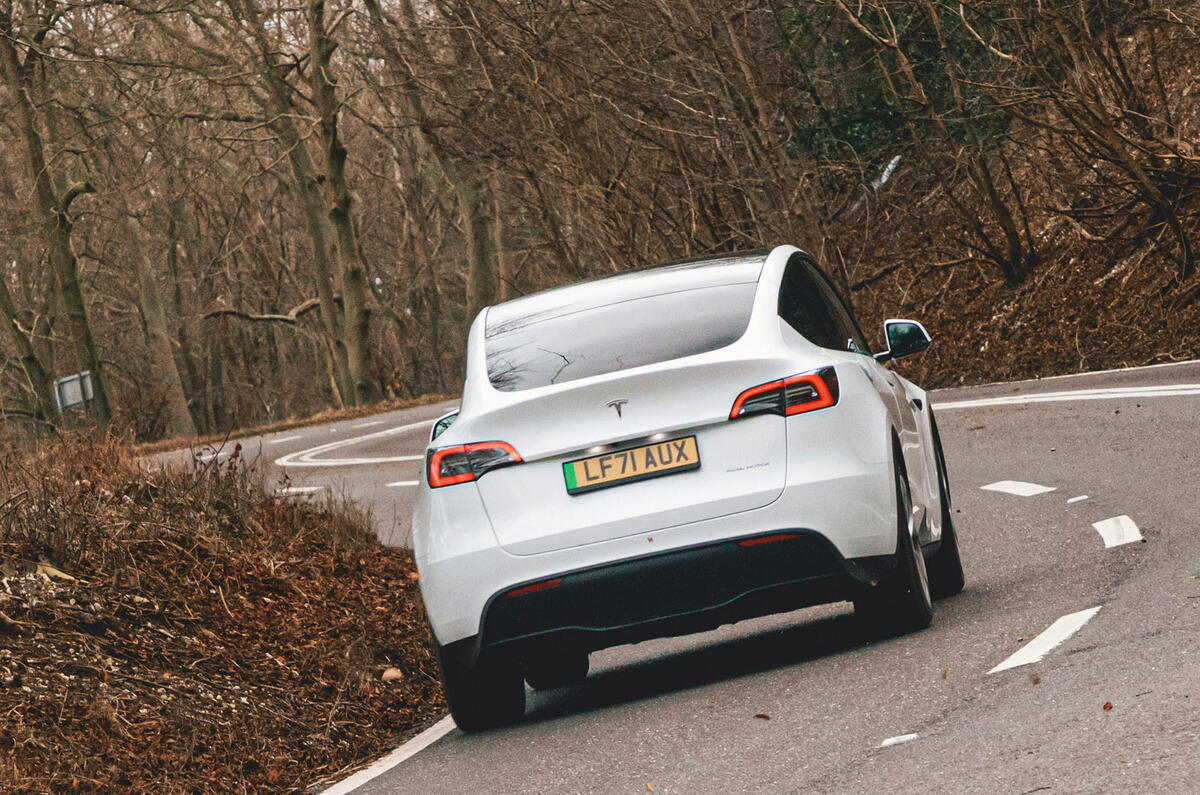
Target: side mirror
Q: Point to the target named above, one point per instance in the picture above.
(442, 424)
(904, 338)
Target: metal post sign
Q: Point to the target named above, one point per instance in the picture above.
(74, 390)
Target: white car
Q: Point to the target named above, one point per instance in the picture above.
(665, 451)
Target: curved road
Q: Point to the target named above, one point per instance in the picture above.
(1042, 473)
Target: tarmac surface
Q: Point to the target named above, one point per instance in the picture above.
(1068, 663)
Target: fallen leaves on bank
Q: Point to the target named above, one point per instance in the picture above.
(174, 632)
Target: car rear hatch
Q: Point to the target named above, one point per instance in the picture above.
(540, 506)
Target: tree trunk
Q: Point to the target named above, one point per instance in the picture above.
(309, 186)
(339, 203)
(52, 213)
(278, 104)
(58, 231)
(464, 176)
(503, 276)
(158, 338)
(482, 277)
(39, 382)
(177, 228)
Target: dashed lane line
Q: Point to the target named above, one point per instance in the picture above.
(1080, 498)
(903, 738)
(1118, 531)
(370, 424)
(286, 439)
(1018, 487)
(1044, 643)
(404, 483)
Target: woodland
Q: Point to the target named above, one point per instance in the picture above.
(234, 212)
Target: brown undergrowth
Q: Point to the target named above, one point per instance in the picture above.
(1082, 310)
(172, 632)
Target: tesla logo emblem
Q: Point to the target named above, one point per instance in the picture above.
(616, 404)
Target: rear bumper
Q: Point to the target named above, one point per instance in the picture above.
(671, 593)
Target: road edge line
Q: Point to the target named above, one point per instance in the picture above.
(1070, 375)
(1114, 393)
(410, 749)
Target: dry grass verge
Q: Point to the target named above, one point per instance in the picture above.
(175, 632)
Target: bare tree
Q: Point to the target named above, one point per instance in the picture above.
(21, 56)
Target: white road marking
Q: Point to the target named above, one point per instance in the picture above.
(1167, 390)
(308, 458)
(903, 738)
(286, 439)
(1056, 633)
(1159, 366)
(405, 483)
(370, 424)
(300, 490)
(1018, 487)
(411, 748)
(1117, 531)
(1080, 498)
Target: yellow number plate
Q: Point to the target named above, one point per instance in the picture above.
(626, 466)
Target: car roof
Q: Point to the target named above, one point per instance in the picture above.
(693, 274)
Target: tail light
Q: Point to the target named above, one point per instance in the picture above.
(771, 539)
(787, 396)
(466, 462)
(537, 586)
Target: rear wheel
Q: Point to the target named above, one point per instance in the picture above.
(945, 568)
(903, 602)
(557, 669)
(487, 695)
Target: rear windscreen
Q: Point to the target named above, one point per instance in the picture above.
(630, 333)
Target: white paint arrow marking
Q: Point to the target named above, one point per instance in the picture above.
(1117, 531)
(1055, 634)
(1018, 487)
(411, 748)
(903, 738)
(308, 458)
(1168, 390)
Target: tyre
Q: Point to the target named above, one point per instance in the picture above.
(557, 670)
(945, 567)
(484, 696)
(903, 602)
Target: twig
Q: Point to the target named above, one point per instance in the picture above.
(224, 604)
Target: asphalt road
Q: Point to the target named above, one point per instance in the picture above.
(804, 703)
